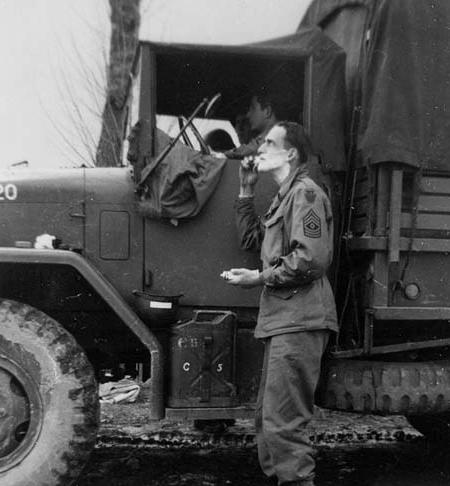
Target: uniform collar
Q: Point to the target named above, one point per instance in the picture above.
(299, 173)
(286, 186)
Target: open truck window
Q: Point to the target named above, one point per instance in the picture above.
(306, 68)
(207, 127)
(184, 79)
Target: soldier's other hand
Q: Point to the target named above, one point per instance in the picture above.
(243, 277)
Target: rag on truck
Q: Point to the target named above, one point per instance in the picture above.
(179, 186)
(179, 180)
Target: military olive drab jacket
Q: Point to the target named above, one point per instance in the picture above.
(295, 237)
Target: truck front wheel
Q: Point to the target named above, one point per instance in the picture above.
(48, 400)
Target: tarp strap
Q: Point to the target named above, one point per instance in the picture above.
(414, 212)
(399, 284)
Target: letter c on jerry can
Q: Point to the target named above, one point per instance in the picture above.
(186, 366)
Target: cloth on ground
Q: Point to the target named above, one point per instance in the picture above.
(124, 390)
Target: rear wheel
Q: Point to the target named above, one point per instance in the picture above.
(48, 400)
(416, 388)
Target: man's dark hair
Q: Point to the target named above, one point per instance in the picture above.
(296, 137)
(276, 99)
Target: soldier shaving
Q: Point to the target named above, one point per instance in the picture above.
(297, 310)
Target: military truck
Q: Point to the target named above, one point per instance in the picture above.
(130, 282)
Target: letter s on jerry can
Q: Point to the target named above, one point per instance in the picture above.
(202, 367)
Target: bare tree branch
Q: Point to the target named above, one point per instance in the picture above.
(125, 20)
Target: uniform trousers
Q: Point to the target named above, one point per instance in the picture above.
(285, 404)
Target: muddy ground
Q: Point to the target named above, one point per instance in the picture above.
(377, 465)
(353, 449)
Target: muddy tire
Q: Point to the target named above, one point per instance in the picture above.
(48, 400)
(387, 387)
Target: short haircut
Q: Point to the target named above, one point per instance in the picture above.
(276, 99)
(296, 137)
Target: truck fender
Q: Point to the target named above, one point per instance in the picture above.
(113, 299)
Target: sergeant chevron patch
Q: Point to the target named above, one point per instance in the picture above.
(311, 225)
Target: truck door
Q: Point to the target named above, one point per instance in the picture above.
(187, 256)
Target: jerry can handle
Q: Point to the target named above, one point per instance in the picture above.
(209, 315)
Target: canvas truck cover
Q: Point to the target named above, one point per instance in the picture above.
(404, 75)
(188, 73)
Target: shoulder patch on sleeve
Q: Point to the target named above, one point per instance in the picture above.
(311, 225)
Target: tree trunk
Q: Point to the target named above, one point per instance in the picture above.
(125, 20)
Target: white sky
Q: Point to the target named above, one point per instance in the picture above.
(53, 56)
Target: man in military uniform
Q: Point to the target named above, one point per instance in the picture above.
(297, 310)
(264, 111)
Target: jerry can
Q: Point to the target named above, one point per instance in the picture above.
(202, 367)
